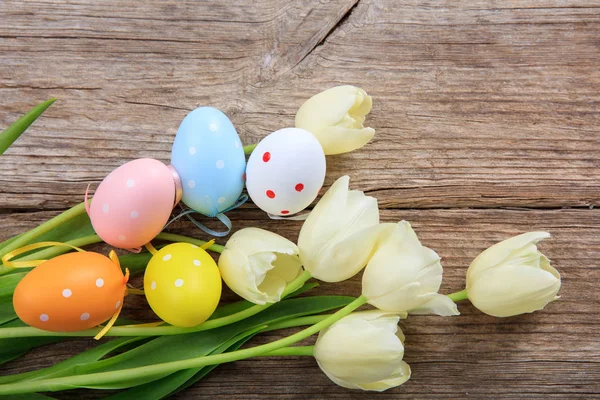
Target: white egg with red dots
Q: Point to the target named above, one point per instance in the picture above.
(285, 172)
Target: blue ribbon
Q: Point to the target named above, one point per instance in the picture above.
(221, 217)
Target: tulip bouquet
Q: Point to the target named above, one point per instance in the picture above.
(341, 236)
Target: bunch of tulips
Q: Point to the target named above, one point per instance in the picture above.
(341, 236)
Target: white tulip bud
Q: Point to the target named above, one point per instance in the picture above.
(339, 236)
(336, 116)
(404, 275)
(258, 264)
(363, 351)
(512, 277)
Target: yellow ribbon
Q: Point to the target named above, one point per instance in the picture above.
(110, 323)
(25, 249)
(132, 290)
(114, 258)
(150, 248)
(207, 244)
(153, 250)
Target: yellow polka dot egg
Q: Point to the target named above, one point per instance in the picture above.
(182, 284)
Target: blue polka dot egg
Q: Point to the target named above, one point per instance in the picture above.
(209, 158)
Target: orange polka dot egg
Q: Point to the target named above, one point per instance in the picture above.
(71, 292)
(182, 284)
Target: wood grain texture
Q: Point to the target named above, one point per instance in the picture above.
(554, 353)
(488, 125)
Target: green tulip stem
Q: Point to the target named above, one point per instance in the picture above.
(27, 331)
(292, 351)
(47, 226)
(129, 374)
(458, 296)
(249, 149)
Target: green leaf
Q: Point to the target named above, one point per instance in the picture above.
(72, 228)
(7, 312)
(180, 380)
(167, 385)
(78, 227)
(160, 388)
(135, 262)
(12, 133)
(206, 370)
(8, 283)
(65, 366)
(180, 347)
(16, 347)
(9, 241)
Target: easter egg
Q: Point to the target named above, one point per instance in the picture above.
(71, 292)
(182, 284)
(209, 157)
(285, 171)
(133, 203)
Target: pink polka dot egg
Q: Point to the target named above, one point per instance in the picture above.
(285, 171)
(133, 203)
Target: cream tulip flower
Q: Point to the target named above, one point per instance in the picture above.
(258, 264)
(512, 277)
(363, 350)
(336, 116)
(404, 275)
(338, 237)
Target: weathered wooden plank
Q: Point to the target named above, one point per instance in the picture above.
(475, 106)
(554, 353)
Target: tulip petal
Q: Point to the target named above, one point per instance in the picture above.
(378, 318)
(338, 236)
(272, 272)
(321, 223)
(363, 350)
(272, 287)
(256, 240)
(260, 264)
(338, 139)
(329, 107)
(346, 258)
(404, 275)
(504, 251)
(437, 304)
(340, 382)
(238, 276)
(257, 264)
(336, 117)
(512, 290)
(399, 376)
(513, 277)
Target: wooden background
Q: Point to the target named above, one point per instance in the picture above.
(488, 125)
